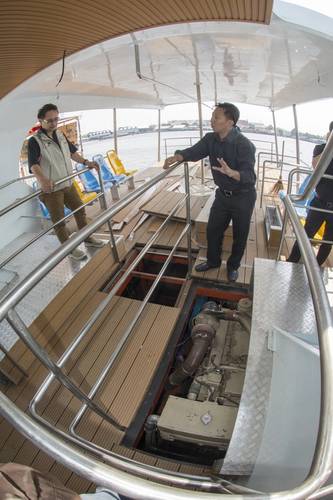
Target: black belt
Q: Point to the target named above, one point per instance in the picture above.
(228, 193)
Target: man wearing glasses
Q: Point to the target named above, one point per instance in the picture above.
(50, 156)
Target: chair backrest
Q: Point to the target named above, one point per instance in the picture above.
(88, 179)
(46, 213)
(115, 162)
(301, 190)
(107, 175)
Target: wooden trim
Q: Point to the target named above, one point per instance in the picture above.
(25, 27)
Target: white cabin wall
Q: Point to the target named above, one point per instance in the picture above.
(17, 118)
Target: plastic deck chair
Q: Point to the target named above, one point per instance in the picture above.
(46, 213)
(107, 174)
(42, 206)
(84, 197)
(88, 180)
(117, 165)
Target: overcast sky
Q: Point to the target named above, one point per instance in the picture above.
(313, 117)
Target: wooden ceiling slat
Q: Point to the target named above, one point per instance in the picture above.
(248, 9)
(220, 9)
(234, 9)
(29, 42)
(182, 8)
(151, 11)
(205, 10)
(214, 9)
(227, 9)
(241, 9)
(268, 12)
(32, 17)
(255, 10)
(262, 10)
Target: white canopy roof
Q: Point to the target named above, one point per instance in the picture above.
(276, 65)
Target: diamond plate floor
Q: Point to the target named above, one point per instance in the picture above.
(282, 300)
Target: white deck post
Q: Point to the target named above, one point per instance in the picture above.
(200, 123)
(159, 137)
(275, 137)
(115, 138)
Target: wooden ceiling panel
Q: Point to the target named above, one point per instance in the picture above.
(34, 34)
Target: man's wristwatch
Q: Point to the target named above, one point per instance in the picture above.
(85, 162)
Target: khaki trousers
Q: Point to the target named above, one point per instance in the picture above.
(55, 203)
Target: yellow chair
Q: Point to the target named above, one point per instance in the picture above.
(117, 165)
(320, 233)
(84, 197)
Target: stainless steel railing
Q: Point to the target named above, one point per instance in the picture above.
(279, 167)
(18, 179)
(100, 196)
(298, 204)
(116, 475)
(35, 194)
(280, 157)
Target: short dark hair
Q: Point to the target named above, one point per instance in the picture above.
(330, 128)
(230, 110)
(44, 109)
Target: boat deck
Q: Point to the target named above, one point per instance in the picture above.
(126, 385)
(124, 388)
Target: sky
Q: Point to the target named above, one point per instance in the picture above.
(313, 117)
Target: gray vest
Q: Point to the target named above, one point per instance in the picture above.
(55, 162)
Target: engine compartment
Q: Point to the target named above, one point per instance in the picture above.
(195, 417)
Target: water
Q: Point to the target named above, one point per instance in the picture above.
(140, 151)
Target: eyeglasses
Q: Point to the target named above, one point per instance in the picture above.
(52, 120)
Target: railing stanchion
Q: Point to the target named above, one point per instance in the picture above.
(188, 218)
(109, 222)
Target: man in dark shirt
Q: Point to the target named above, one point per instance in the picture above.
(323, 200)
(232, 157)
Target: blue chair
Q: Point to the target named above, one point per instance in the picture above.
(88, 179)
(301, 209)
(46, 213)
(42, 206)
(107, 174)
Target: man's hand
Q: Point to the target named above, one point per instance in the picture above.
(172, 159)
(46, 185)
(225, 169)
(92, 164)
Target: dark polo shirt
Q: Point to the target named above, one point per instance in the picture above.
(236, 150)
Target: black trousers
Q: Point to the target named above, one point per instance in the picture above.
(313, 222)
(238, 209)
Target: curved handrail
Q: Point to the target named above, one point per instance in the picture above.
(33, 195)
(48, 264)
(13, 181)
(322, 464)
(324, 161)
(125, 483)
(109, 476)
(264, 166)
(296, 200)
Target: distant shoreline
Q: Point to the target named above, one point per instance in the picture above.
(125, 131)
